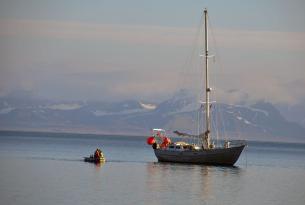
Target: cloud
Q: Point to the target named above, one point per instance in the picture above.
(139, 61)
(260, 39)
(152, 35)
(249, 89)
(131, 34)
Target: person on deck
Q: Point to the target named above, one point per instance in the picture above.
(97, 153)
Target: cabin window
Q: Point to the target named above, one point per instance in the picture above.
(178, 147)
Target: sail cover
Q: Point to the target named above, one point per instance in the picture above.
(188, 135)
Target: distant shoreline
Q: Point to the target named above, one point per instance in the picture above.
(57, 133)
(84, 134)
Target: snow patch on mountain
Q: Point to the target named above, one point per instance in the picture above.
(148, 106)
(245, 121)
(6, 110)
(187, 108)
(239, 118)
(252, 109)
(64, 106)
(100, 113)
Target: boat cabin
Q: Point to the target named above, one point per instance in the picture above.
(182, 146)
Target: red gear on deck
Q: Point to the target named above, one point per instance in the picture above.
(150, 140)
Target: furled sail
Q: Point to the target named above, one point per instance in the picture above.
(187, 135)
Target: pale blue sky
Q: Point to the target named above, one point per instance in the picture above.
(279, 15)
(111, 49)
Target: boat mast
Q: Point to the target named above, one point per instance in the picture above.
(207, 88)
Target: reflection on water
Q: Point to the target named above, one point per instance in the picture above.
(200, 181)
(98, 166)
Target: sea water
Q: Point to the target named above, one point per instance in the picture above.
(44, 168)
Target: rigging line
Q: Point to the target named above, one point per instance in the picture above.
(246, 155)
(196, 65)
(214, 93)
(237, 125)
(198, 122)
(216, 122)
(201, 112)
(189, 60)
(190, 64)
(200, 87)
(221, 69)
(216, 45)
(214, 125)
(219, 115)
(198, 96)
(223, 123)
(216, 119)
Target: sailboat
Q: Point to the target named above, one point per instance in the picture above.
(204, 152)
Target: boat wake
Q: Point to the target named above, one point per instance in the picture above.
(81, 160)
(54, 159)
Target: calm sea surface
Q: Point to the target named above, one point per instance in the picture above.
(41, 168)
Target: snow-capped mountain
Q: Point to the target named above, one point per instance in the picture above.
(293, 113)
(260, 121)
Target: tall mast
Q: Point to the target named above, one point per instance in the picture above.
(207, 88)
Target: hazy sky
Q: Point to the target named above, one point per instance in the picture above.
(141, 49)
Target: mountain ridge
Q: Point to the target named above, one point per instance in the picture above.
(260, 121)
